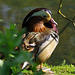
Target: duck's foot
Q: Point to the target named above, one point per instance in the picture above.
(47, 71)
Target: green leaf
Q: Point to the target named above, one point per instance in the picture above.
(27, 72)
(38, 73)
(1, 20)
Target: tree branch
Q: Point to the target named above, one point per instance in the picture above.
(59, 12)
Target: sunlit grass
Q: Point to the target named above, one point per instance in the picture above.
(63, 69)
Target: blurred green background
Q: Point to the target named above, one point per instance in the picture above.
(15, 11)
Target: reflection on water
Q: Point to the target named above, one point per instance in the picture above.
(4, 12)
(15, 11)
(8, 15)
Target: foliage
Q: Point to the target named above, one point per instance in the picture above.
(1, 20)
(64, 70)
(10, 59)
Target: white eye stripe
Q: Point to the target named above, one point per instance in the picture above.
(41, 13)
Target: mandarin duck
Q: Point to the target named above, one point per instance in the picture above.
(42, 36)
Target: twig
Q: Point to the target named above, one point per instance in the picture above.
(65, 26)
(59, 12)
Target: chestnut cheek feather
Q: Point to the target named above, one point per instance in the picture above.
(42, 29)
(39, 29)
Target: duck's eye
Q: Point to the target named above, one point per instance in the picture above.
(48, 25)
(44, 16)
